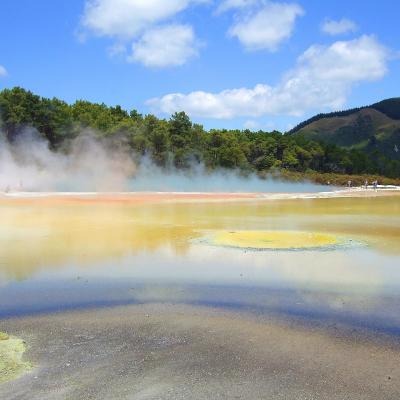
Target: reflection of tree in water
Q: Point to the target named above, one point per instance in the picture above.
(48, 233)
(48, 239)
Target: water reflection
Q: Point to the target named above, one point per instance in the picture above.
(70, 254)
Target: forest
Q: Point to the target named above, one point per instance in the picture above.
(177, 142)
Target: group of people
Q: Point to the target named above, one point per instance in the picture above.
(374, 184)
(366, 184)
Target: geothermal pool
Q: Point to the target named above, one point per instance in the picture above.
(333, 256)
(329, 263)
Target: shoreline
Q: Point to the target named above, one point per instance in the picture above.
(152, 196)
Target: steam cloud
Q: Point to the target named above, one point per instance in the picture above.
(94, 165)
(89, 165)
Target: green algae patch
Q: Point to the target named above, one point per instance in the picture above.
(12, 364)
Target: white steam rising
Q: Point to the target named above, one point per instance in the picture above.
(29, 165)
(152, 178)
(93, 165)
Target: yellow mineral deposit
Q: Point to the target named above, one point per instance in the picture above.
(12, 364)
(281, 240)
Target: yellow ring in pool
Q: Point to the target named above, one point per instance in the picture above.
(269, 240)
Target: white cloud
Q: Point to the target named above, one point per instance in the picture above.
(233, 4)
(138, 20)
(171, 45)
(127, 18)
(117, 49)
(3, 71)
(255, 125)
(251, 124)
(261, 24)
(339, 27)
(321, 79)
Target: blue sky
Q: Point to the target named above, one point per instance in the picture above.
(233, 63)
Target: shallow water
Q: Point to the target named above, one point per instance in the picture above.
(57, 254)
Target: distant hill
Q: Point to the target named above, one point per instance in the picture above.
(371, 128)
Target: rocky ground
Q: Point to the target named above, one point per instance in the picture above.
(184, 352)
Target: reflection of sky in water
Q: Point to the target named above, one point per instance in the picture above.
(73, 256)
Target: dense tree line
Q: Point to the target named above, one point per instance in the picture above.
(178, 142)
(389, 107)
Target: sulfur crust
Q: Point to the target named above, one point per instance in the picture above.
(12, 365)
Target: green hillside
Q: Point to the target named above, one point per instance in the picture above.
(372, 129)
